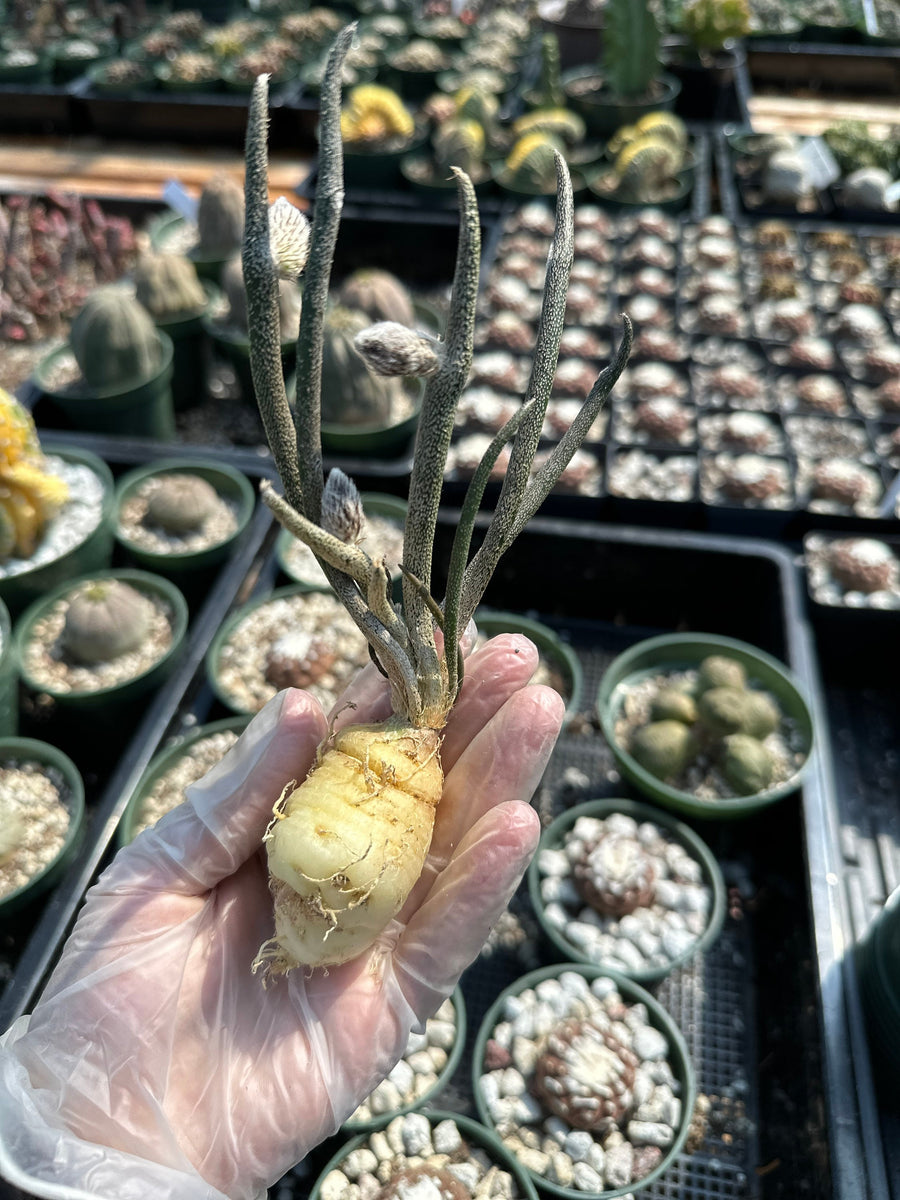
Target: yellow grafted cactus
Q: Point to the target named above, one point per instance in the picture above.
(663, 125)
(375, 113)
(559, 122)
(526, 147)
(29, 494)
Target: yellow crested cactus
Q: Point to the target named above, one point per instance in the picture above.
(29, 494)
(663, 125)
(375, 114)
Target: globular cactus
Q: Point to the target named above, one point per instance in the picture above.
(560, 123)
(630, 47)
(104, 620)
(711, 23)
(220, 217)
(746, 764)
(30, 494)
(663, 748)
(671, 704)
(180, 504)
(290, 299)
(477, 105)
(531, 165)
(664, 125)
(549, 92)
(420, 55)
(375, 116)
(459, 143)
(378, 294)
(168, 286)
(646, 170)
(720, 670)
(351, 394)
(854, 147)
(114, 340)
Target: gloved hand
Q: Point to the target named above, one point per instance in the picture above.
(156, 1065)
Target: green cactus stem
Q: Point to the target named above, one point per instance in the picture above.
(114, 340)
(549, 92)
(663, 748)
(220, 217)
(747, 764)
(711, 23)
(459, 143)
(630, 47)
(168, 286)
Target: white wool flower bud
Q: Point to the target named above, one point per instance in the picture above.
(393, 349)
(288, 238)
(342, 510)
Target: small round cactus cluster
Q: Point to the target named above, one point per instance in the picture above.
(708, 719)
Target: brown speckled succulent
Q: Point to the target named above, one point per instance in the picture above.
(661, 344)
(298, 660)
(654, 221)
(590, 243)
(663, 419)
(832, 239)
(779, 259)
(774, 233)
(749, 431)
(863, 564)
(812, 352)
(847, 265)
(650, 251)
(778, 286)
(574, 377)
(719, 314)
(855, 291)
(752, 477)
(509, 331)
(821, 393)
(791, 318)
(887, 395)
(655, 379)
(513, 295)
(861, 323)
(735, 381)
(580, 343)
(615, 874)
(585, 1075)
(653, 282)
(882, 362)
(844, 481)
(649, 312)
(714, 251)
(497, 368)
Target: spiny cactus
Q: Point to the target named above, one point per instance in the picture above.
(459, 143)
(665, 125)
(711, 23)
(630, 47)
(167, 285)
(180, 503)
(559, 123)
(351, 393)
(220, 217)
(375, 116)
(104, 620)
(477, 105)
(420, 55)
(549, 92)
(290, 301)
(854, 146)
(646, 169)
(531, 164)
(378, 294)
(114, 340)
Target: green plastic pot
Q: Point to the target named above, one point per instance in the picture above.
(66, 68)
(631, 993)
(503, 180)
(604, 113)
(679, 651)
(378, 169)
(165, 79)
(431, 187)
(553, 838)
(234, 347)
(675, 203)
(229, 482)
(475, 1134)
(108, 703)
(9, 678)
(491, 622)
(877, 958)
(444, 1077)
(191, 351)
(163, 762)
(30, 750)
(142, 409)
(34, 73)
(373, 441)
(92, 554)
(374, 504)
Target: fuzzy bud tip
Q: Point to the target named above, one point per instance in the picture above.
(288, 238)
(342, 510)
(393, 349)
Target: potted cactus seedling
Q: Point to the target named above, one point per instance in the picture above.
(120, 77)
(215, 237)
(41, 819)
(377, 130)
(708, 56)
(181, 517)
(706, 725)
(114, 375)
(22, 63)
(567, 127)
(529, 168)
(651, 165)
(189, 71)
(55, 510)
(548, 90)
(405, 751)
(414, 68)
(630, 81)
(170, 289)
(95, 647)
(458, 142)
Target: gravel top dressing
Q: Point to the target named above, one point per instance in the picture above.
(578, 1084)
(852, 572)
(35, 821)
(168, 791)
(136, 526)
(72, 525)
(625, 894)
(49, 665)
(381, 538)
(309, 638)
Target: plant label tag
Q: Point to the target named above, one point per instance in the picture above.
(178, 200)
(820, 162)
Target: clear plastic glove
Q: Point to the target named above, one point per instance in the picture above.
(155, 1065)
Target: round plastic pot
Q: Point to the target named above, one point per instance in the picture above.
(234, 347)
(190, 349)
(163, 762)
(30, 750)
(101, 86)
(475, 1134)
(108, 703)
(554, 837)
(378, 169)
(444, 1076)
(563, 657)
(9, 678)
(432, 188)
(604, 113)
(413, 86)
(163, 73)
(374, 504)
(680, 651)
(631, 993)
(143, 409)
(37, 72)
(230, 483)
(372, 441)
(504, 181)
(675, 203)
(92, 554)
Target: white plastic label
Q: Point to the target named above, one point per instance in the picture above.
(821, 164)
(178, 200)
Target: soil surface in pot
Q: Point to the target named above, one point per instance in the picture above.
(35, 820)
(169, 790)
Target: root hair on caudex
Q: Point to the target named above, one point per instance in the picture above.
(319, 918)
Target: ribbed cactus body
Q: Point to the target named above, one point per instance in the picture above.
(351, 394)
(375, 114)
(114, 340)
(289, 300)
(531, 164)
(549, 89)
(378, 294)
(645, 167)
(557, 122)
(459, 143)
(105, 620)
(477, 105)
(220, 217)
(663, 125)
(167, 285)
(630, 47)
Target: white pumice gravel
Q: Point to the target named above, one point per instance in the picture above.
(852, 572)
(627, 895)
(48, 664)
(306, 620)
(34, 820)
(381, 538)
(416, 1074)
(136, 529)
(72, 525)
(608, 1102)
(169, 790)
(638, 475)
(414, 1158)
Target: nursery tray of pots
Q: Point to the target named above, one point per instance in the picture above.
(771, 1034)
(42, 108)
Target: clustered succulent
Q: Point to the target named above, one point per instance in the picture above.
(30, 494)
